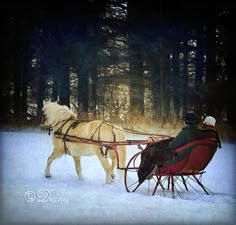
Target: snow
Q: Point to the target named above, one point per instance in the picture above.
(27, 197)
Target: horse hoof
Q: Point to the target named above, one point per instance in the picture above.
(110, 181)
(48, 176)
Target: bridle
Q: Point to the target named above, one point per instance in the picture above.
(43, 127)
(43, 120)
(49, 127)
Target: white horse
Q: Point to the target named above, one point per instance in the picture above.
(65, 124)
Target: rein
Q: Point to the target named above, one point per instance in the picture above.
(103, 148)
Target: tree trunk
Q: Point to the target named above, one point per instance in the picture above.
(185, 93)
(24, 95)
(17, 94)
(176, 84)
(164, 75)
(55, 88)
(210, 66)
(136, 82)
(199, 58)
(199, 70)
(155, 76)
(40, 94)
(93, 109)
(64, 86)
(135, 51)
(211, 54)
(83, 93)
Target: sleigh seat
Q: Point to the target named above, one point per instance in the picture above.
(189, 164)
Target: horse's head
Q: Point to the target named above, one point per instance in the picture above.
(44, 120)
(53, 114)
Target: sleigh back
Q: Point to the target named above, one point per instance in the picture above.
(191, 158)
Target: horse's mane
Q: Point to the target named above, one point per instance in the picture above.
(56, 113)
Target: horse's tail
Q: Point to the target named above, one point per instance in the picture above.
(120, 136)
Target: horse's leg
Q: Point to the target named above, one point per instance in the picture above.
(120, 136)
(78, 166)
(122, 159)
(113, 163)
(55, 154)
(106, 167)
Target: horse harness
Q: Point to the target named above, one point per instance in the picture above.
(69, 138)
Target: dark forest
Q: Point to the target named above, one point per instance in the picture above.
(118, 60)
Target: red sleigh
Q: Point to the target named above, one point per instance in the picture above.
(178, 174)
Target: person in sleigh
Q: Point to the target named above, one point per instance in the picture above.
(158, 153)
(191, 131)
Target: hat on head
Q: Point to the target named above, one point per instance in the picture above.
(209, 120)
(190, 118)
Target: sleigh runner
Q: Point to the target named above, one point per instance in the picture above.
(106, 140)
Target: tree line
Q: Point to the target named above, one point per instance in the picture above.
(118, 58)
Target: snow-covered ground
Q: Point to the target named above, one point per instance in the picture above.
(27, 197)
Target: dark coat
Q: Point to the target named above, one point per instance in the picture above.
(190, 133)
(211, 132)
(187, 134)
